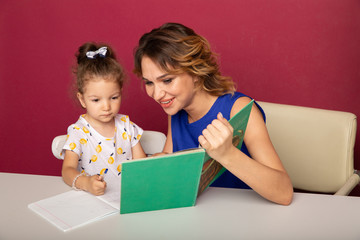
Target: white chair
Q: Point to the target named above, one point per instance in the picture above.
(57, 145)
(151, 141)
(316, 146)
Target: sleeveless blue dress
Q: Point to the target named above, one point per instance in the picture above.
(185, 135)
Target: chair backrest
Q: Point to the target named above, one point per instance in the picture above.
(57, 146)
(316, 146)
(151, 141)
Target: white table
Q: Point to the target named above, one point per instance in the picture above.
(219, 214)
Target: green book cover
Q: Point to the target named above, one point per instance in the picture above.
(154, 183)
(173, 180)
(212, 170)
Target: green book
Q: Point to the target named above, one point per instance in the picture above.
(173, 180)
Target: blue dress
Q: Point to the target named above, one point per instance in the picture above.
(185, 135)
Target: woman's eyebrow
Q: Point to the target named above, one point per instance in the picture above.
(162, 76)
(158, 78)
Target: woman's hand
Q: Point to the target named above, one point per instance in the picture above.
(217, 138)
(158, 154)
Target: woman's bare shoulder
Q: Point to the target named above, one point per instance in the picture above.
(239, 104)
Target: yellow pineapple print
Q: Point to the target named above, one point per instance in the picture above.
(120, 151)
(93, 158)
(83, 141)
(98, 148)
(124, 136)
(119, 169)
(85, 130)
(111, 160)
(72, 146)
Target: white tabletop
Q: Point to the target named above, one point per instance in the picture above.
(219, 214)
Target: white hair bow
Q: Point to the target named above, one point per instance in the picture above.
(93, 54)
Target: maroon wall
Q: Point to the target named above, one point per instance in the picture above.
(300, 52)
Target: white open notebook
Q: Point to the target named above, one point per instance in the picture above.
(73, 209)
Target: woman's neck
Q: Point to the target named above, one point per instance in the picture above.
(200, 106)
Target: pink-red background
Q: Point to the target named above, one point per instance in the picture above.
(299, 52)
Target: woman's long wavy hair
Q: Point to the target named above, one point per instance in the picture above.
(178, 49)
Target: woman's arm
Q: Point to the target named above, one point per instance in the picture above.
(168, 148)
(93, 184)
(264, 172)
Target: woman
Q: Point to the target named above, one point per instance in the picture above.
(181, 73)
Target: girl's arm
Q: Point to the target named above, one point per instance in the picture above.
(137, 151)
(264, 172)
(93, 184)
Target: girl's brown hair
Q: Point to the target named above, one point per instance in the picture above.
(178, 49)
(100, 66)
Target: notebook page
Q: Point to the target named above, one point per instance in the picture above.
(72, 209)
(112, 194)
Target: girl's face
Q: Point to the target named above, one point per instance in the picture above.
(102, 99)
(172, 92)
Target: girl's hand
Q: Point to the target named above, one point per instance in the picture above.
(96, 185)
(217, 138)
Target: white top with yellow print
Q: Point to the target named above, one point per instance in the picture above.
(100, 155)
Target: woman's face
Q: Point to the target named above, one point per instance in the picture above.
(172, 92)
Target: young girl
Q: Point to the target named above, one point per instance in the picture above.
(181, 73)
(101, 139)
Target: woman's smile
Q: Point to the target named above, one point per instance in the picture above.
(166, 103)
